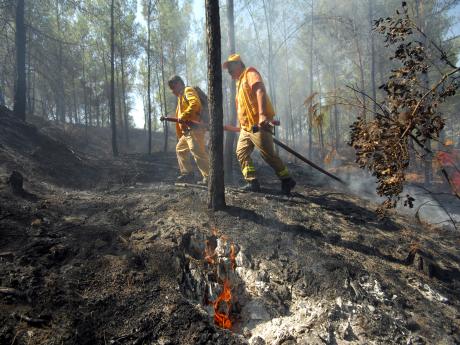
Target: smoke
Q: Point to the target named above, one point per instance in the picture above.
(436, 209)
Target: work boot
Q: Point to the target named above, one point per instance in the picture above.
(203, 182)
(251, 186)
(287, 185)
(185, 178)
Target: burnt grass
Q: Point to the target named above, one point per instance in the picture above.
(102, 251)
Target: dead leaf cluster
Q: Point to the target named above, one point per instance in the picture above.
(409, 111)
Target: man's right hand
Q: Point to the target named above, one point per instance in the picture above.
(264, 123)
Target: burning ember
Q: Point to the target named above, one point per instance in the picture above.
(222, 259)
(222, 318)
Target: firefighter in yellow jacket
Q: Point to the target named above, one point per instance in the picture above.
(254, 108)
(191, 139)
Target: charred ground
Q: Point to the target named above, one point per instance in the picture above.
(103, 251)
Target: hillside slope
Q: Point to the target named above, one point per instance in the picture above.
(136, 259)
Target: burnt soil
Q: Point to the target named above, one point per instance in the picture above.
(104, 251)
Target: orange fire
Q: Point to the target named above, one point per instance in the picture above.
(222, 318)
(223, 302)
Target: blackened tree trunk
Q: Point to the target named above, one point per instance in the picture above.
(112, 83)
(216, 194)
(30, 77)
(230, 136)
(20, 92)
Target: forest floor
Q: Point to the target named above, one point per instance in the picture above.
(110, 251)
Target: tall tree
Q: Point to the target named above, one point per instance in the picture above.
(149, 71)
(421, 22)
(230, 136)
(20, 93)
(216, 194)
(59, 85)
(310, 124)
(112, 81)
(372, 43)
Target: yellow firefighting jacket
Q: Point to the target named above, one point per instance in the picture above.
(188, 108)
(246, 99)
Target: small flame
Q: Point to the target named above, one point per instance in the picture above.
(222, 318)
(232, 256)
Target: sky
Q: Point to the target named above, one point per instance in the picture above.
(198, 9)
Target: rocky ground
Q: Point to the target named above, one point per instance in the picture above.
(102, 251)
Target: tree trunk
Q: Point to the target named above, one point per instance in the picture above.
(119, 98)
(85, 98)
(310, 124)
(373, 89)
(149, 70)
(361, 67)
(30, 105)
(290, 127)
(230, 136)
(268, 13)
(160, 92)
(165, 105)
(123, 94)
(216, 194)
(106, 86)
(74, 94)
(60, 93)
(420, 10)
(20, 92)
(112, 82)
(321, 116)
(336, 109)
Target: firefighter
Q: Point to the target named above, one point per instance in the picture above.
(191, 140)
(255, 111)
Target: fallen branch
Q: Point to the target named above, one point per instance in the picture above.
(10, 291)
(30, 320)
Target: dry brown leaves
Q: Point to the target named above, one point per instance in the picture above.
(410, 108)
